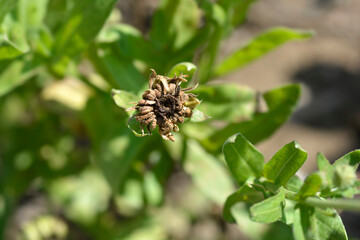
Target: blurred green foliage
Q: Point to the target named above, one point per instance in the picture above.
(64, 140)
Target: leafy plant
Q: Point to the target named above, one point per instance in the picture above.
(65, 142)
(273, 192)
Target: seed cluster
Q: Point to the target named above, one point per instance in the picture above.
(165, 104)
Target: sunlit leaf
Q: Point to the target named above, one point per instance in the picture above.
(258, 47)
(123, 98)
(285, 163)
(198, 116)
(270, 209)
(243, 159)
(186, 68)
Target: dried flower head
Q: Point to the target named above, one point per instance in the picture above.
(165, 104)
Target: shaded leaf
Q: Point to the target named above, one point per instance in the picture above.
(316, 223)
(243, 159)
(17, 73)
(281, 103)
(207, 173)
(270, 209)
(258, 47)
(285, 163)
(79, 29)
(174, 23)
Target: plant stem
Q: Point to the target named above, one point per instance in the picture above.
(340, 203)
(344, 204)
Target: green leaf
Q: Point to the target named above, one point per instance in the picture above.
(325, 166)
(236, 10)
(270, 209)
(130, 44)
(216, 16)
(294, 184)
(79, 29)
(198, 116)
(7, 49)
(123, 98)
(258, 47)
(207, 173)
(285, 163)
(186, 68)
(114, 148)
(119, 72)
(136, 128)
(227, 101)
(245, 194)
(174, 23)
(152, 189)
(316, 223)
(243, 159)
(352, 159)
(17, 73)
(281, 103)
(311, 186)
(5, 7)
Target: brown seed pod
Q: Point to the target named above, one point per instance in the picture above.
(165, 104)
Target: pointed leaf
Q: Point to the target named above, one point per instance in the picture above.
(269, 210)
(285, 163)
(243, 159)
(258, 47)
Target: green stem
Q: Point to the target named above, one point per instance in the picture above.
(344, 204)
(340, 203)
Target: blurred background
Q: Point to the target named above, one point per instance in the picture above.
(51, 185)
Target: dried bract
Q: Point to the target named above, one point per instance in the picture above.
(165, 104)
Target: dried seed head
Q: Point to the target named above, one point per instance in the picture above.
(165, 104)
